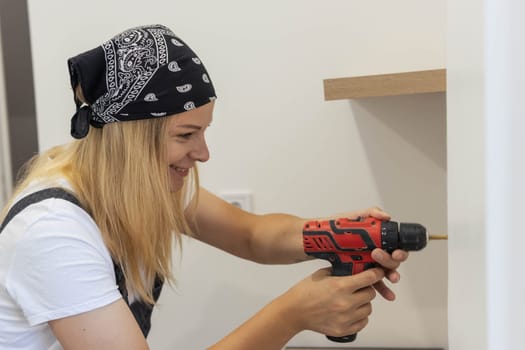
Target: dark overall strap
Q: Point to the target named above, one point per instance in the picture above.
(54, 192)
(141, 311)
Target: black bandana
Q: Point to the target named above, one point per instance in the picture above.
(143, 72)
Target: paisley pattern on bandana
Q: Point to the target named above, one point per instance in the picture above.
(148, 72)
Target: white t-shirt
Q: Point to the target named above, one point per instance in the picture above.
(53, 264)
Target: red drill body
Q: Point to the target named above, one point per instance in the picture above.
(348, 244)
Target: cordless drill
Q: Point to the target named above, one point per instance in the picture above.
(347, 244)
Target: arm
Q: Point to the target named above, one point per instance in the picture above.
(111, 327)
(268, 239)
(273, 238)
(337, 306)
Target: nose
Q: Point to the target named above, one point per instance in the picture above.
(200, 152)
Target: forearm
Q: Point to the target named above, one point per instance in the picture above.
(277, 239)
(269, 329)
(267, 239)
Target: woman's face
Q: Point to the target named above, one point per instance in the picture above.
(186, 142)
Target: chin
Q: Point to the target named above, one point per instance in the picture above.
(176, 185)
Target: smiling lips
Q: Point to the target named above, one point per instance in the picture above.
(179, 171)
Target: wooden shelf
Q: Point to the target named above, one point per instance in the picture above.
(385, 85)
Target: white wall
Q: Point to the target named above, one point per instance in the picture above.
(274, 135)
(485, 174)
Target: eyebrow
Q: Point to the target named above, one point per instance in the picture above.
(189, 126)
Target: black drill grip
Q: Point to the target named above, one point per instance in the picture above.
(342, 269)
(345, 339)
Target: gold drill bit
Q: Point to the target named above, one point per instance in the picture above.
(442, 237)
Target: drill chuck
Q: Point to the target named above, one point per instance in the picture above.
(412, 236)
(404, 236)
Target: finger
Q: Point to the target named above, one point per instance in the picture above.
(352, 323)
(393, 276)
(358, 326)
(365, 310)
(400, 255)
(348, 329)
(384, 291)
(375, 212)
(365, 278)
(378, 213)
(384, 259)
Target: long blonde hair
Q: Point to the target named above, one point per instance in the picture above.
(120, 175)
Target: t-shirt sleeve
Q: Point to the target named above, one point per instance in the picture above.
(61, 268)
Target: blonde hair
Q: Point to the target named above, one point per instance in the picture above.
(120, 175)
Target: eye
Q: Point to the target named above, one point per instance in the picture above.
(185, 135)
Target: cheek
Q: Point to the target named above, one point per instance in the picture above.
(176, 151)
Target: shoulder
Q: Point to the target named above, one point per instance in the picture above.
(55, 250)
(55, 225)
(50, 212)
(54, 222)
(51, 219)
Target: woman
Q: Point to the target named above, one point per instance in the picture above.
(87, 238)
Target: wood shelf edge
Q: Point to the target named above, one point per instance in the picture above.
(406, 83)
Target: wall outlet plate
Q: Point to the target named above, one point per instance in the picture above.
(241, 199)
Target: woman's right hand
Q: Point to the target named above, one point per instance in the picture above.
(332, 305)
